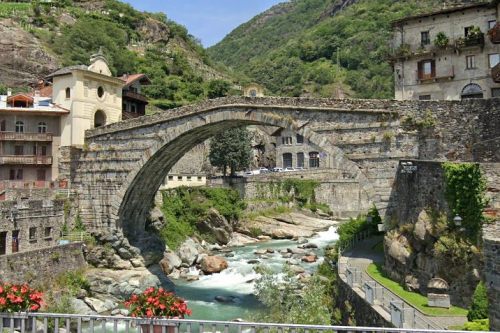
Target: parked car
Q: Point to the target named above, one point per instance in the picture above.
(299, 168)
(263, 170)
(277, 169)
(289, 169)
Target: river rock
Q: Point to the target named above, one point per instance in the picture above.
(264, 238)
(260, 252)
(213, 264)
(81, 307)
(169, 262)
(217, 225)
(297, 251)
(239, 239)
(137, 262)
(309, 259)
(188, 251)
(253, 261)
(200, 258)
(191, 278)
(296, 269)
(270, 250)
(176, 274)
(310, 246)
(226, 299)
(302, 240)
(286, 255)
(99, 306)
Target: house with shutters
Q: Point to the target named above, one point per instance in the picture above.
(450, 54)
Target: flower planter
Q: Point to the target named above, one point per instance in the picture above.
(157, 328)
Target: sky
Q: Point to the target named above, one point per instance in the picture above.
(208, 20)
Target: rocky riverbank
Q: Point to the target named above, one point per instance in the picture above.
(120, 269)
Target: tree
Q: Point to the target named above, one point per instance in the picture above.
(479, 307)
(231, 149)
(218, 88)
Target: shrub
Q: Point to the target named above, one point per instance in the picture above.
(479, 307)
(477, 325)
(441, 40)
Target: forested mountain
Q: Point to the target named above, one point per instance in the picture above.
(326, 48)
(37, 37)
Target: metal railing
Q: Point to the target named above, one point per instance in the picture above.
(360, 236)
(59, 323)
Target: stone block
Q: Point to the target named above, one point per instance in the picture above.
(439, 300)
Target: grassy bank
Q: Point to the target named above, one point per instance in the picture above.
(415, 299)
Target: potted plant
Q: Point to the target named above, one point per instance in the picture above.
(441, 40)
(157, 303)
(18, 298)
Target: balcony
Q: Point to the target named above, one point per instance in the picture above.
(25, 160)
(476, 40)
(438, 76)
(135, 96)
(495, 73)
(494, 34)
(14, 136)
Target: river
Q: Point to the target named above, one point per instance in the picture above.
(236, 283)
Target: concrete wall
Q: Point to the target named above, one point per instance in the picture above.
(450, 65)
(38, 266)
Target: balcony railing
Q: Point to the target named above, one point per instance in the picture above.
(136, 96)
(26, 160)
(50, 322)
(495, 73)
(14, 136)
(445, 75)
(470, 41)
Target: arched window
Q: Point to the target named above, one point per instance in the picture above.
(287, 160)
(314, 159)
(68, 93)
(99, 118)
(19, 126)
(42, 127)
(472, 90)
(300, 160)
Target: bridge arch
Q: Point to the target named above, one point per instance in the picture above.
(131, 195)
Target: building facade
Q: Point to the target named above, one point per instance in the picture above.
(178, 180)
(449, 54)
(133, 101)
(295, 151)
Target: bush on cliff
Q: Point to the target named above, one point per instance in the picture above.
(348, 231)
(479, 307)
(185, 207)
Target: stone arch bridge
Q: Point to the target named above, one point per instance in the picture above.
(121, 166)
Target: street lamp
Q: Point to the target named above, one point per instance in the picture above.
(457, 220)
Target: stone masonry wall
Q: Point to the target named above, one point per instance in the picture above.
(38, 266)
(491, 249)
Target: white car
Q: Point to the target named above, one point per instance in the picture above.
(263, 170)
(277, 169)
(289, 169)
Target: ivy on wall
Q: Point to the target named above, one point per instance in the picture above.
(465, 193)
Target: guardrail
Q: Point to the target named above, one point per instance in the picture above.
(58, 323)
(360, 236)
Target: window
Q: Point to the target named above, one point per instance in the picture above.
(199, 178)
(287, 160)
(425, 38)
(472, 90)
(18, 150)
(470, 62)
(468, 30)
(19, 127)
(495, 92)
(170, 177)
(253, 93)
(300, 160)
(426, 69)
(188, 178)
(43, 150)
(12, 174)
(286, 140)
(424, 97)
(100, 92)
(179, 177)
(47, 233)
(494, 59)
(3, 243)
(133, 108)
(32, 232)
(3, 126)
(300, 139)
(42, 127)
(19, 174)
(99, 118)
(491, 24)
(68, 93)
(314, 160)
(15, 241)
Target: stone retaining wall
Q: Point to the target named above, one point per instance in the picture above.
(491, 249)
(38, 266)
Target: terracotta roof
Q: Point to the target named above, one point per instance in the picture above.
(131, 78)
(45, 91)
(20, 96)
(444, 11)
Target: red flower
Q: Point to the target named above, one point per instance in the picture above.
(157, 303)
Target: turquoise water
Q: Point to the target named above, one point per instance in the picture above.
(236, 283)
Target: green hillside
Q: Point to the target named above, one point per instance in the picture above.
(325, 48)
(133, 42)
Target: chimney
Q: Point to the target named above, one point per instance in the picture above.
(9, 92)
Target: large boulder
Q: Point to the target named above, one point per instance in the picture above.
(216, 224)
(169, 262)
(398, 249)
(188, 251)
(423, 227)
(213, 264)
